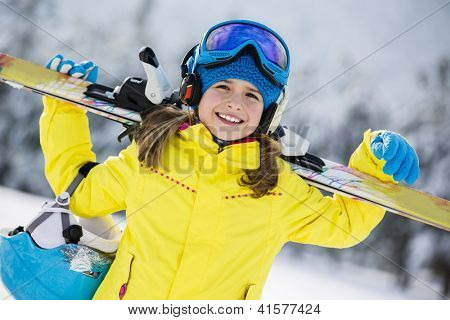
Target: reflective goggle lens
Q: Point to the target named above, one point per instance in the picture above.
(231, 36)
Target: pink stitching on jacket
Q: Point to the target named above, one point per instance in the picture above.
(248, 195)
(173, 180)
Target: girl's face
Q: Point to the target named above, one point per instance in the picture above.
(231, 109)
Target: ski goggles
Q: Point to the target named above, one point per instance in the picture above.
(225, 41)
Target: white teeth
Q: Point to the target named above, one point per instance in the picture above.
(229, 118)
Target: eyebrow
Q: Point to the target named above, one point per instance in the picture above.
(249, 88)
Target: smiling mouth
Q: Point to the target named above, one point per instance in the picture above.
(228, 119)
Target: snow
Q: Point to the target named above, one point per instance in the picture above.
(315, 277)
(308, 277)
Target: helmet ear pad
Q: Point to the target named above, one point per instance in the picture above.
(266, 118)
(191, 89)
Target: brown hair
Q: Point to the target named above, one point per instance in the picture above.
(161, 125)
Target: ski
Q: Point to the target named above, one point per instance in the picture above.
(125, 103)
(22, 74)
(396, 198)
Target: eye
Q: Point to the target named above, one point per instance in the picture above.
(223, 86)
(253, 96)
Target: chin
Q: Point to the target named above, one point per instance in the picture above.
(232, 137)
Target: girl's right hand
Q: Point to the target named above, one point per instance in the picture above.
(86, 70)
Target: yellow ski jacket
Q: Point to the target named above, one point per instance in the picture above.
(192, 231)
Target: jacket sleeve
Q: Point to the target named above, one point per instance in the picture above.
(335, 222)
(66, 144)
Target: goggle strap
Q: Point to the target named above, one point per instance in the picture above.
(184, 66)
(196, 53)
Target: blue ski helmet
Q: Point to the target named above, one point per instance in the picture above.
(57, 256)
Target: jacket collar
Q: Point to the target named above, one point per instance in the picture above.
(244, 154)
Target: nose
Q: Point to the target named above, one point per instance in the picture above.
(235, 101)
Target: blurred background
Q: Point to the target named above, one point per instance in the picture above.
(355, 65)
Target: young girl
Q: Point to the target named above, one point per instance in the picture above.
(209, 202)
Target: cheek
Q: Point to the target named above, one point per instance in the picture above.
(206, 107)
(255, 114)
(202, 113)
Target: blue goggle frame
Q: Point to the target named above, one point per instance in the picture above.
(273, 70)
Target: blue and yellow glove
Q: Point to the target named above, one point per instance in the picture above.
(86, 70)
(401, 159)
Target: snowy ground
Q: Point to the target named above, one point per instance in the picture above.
(309, 277)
